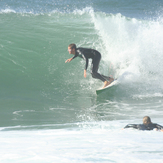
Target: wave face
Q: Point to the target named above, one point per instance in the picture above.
(37, 86)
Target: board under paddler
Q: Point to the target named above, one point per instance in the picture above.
(113, 84)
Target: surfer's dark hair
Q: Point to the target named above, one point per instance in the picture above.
(72, 46)
(146, 120)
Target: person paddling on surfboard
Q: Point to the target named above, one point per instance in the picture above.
(86, 54)
(147, 125)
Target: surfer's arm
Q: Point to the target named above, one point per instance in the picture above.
(85, 73)
(68, 60)
(86, 65)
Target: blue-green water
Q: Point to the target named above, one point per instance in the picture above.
(48, 102)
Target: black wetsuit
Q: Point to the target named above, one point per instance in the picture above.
(86, 54)
(149, 126)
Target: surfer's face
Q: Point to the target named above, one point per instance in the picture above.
(71, 51)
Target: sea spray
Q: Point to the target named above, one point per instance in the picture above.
(131, 45)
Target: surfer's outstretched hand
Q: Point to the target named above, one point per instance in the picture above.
(68, 60)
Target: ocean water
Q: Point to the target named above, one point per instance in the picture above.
(49, 112)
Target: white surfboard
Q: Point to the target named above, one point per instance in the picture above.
(115, 82)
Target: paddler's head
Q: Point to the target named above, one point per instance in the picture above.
(72, 49)
(146, 120)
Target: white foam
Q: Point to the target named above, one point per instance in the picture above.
(101, 142)
(142, 96)
(88, 10)
(7, 11)
(131, 45)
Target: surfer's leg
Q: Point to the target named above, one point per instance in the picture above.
(95, 65)
(96, 75)
(106, 77)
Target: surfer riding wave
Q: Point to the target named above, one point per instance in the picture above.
(86, 54)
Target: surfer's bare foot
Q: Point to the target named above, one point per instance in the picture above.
(106, 83)
(111, 80)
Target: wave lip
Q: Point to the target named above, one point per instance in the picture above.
(7, 11)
